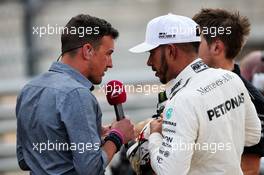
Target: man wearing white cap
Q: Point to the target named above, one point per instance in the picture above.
(208, 117)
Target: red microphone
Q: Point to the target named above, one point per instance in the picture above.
(116, 95)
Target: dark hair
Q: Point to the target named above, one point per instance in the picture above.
(189, 47)
(239, 28)
(262, 56)
(195, 46)
(93, 29)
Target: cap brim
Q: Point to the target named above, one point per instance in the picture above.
(143, 47)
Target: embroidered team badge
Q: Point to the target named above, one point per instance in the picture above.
(169, 113)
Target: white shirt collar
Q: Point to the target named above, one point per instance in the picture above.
(193, 68)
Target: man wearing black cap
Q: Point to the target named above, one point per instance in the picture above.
(58, 118)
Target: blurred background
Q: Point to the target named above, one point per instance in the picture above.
(24, 54)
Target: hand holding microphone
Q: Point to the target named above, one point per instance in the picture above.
(116, 95)
(126, 128)
(122, 128)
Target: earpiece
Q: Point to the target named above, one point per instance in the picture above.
(90, 51)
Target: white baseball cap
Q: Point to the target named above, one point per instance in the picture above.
(168, 29)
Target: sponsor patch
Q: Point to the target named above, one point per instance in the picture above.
(164, 35)
(169, 113)
(199, 66)
(225, 107)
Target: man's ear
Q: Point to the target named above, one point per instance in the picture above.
(217, 47)
(87, 51)
(173, 50)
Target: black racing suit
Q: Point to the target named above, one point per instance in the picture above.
(258, 101)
